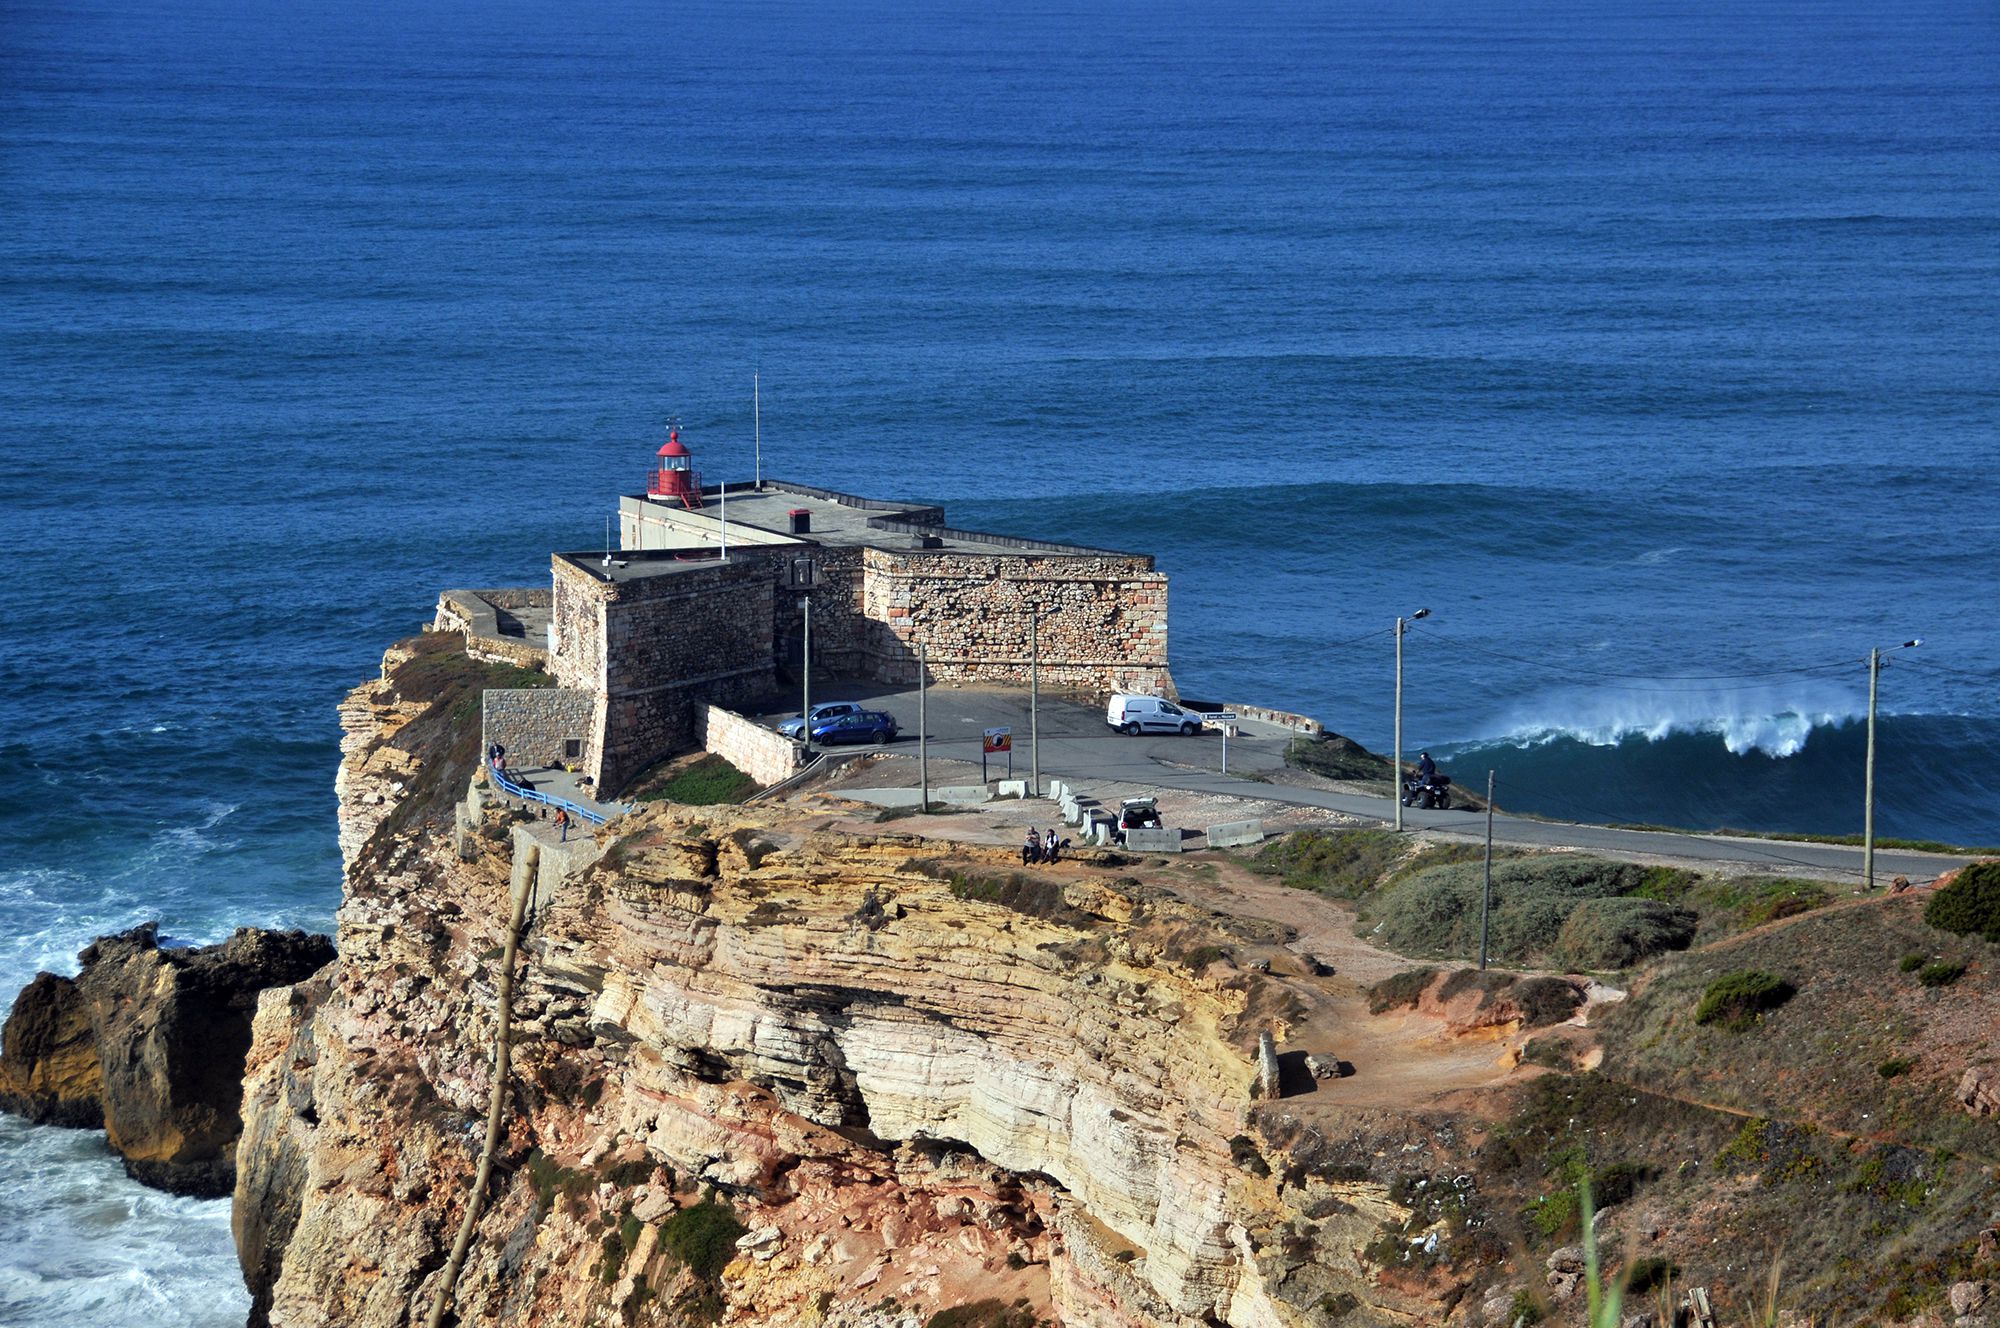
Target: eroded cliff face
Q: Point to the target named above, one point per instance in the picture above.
(767, 1073)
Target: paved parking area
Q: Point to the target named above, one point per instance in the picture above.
(1076, 743)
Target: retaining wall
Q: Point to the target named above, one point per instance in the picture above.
(766, 756)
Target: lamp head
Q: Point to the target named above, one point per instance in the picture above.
(1420, 613)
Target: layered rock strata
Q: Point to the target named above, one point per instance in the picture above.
(768, 1074)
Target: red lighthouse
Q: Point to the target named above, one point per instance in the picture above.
(674, 478)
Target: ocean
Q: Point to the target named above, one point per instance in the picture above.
(1654, 348)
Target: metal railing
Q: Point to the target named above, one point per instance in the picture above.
(527, 794)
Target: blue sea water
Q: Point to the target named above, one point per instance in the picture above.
(1655, 348)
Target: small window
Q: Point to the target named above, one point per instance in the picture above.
(572, 747)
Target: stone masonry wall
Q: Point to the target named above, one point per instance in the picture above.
(1102, 628)
(535, 724)
(472, 612)
(758, 752)
(648, 648)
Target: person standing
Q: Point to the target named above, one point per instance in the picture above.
(562, 823)
(1031, 851)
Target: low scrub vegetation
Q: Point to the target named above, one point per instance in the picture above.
(1970, 904)
(1347, 864)
(705, 782)
(1736, 1001)
(703, 1237)
(1563, 910)
(1333, 757)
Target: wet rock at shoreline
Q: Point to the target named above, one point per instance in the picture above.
(148, 1044)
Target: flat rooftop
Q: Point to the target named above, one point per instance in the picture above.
(834, 520)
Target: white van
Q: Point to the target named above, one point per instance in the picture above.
(1144, 714)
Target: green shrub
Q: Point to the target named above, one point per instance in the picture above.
(1910, 963)
(1970, 905)
(1735, 1000)
(1526, 1309)
(703, 1237)
(1554, 1215)
(1648, 1273)
(1895, 1067)
(988, 1313)
(1942, 973)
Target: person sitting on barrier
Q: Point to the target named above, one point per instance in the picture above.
(1049, 847)
(1031, 852)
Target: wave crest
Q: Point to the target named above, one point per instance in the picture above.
(1776, 721)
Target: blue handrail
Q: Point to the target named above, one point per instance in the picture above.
(531, 795)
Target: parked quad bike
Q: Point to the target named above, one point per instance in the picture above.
(1433, 794)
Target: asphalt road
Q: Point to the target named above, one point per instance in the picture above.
(1079, 748)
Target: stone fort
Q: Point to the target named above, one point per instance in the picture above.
(706, 601)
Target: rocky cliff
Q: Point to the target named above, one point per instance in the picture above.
(765, 1072)
(148, 1044)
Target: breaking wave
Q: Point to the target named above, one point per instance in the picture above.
(1776, 722)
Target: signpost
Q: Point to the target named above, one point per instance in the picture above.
(1224, 720)
(997, 740)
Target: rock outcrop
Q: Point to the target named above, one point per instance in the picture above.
(148, 1043)
(769, 1073)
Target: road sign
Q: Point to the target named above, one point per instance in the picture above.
(999, 740)
(1220, 717)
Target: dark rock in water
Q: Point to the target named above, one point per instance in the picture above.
(148, 1043)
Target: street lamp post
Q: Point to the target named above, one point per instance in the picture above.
(1868, 779)
(1396, 767)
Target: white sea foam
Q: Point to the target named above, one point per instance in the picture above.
(1775, 720)
(88, 1245)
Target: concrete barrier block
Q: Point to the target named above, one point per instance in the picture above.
(962, 793)
(1012, 788)
(1057, 789)
(1145, 840)
(1231, 833)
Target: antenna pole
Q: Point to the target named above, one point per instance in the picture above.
(757, 426)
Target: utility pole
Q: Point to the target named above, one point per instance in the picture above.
(1868, 779)
(1486, 898)
(1396, 767)
(923, 738)
(1034, 703)
(757, 428)
(806, 677)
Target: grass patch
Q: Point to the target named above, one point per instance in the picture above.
(705, 782)
(1970, 905)
(1895, 1067)
(1910, 963)
(1736, 1001)
(703, 1237)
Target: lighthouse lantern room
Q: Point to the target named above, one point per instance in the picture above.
(675, 477)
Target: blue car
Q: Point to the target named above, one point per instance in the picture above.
(861, 726)
(822, 712)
